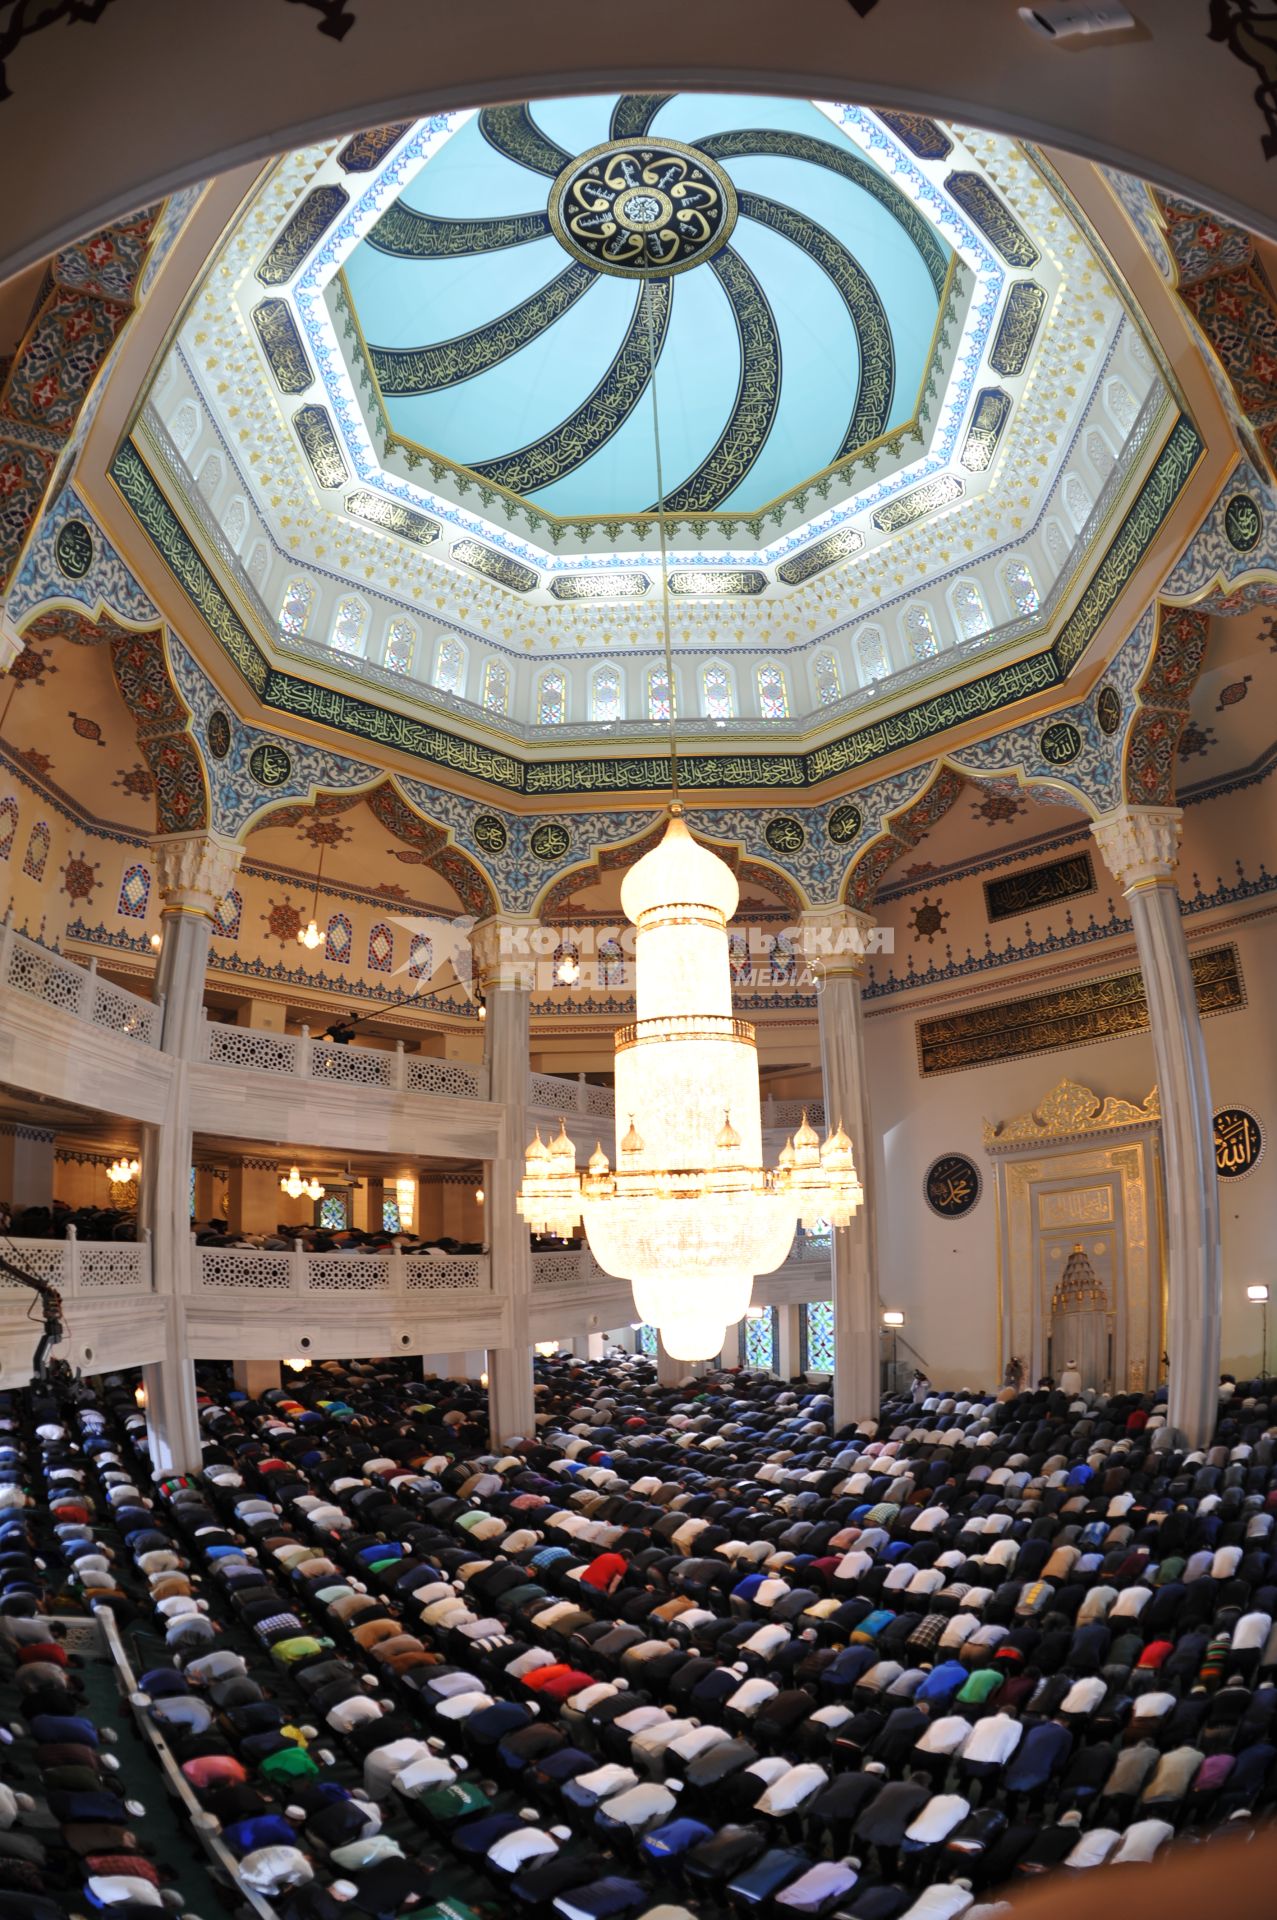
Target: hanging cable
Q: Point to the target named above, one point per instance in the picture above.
(648, 299)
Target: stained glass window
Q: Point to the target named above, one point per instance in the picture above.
(782, 958)
(192, 1193)
(921, 634)
(611, 964)
(658, 694)
(450, 667)
(762, 1338)
(333, 1212)
(605, 695)
(390, 1222)
(828, 680)
(401, 644)
(421, 957)
(871, 651)
(294, 612)
(1057, 545)
(818, 1337)
(773, 697)
(1021, 591)
(647, 1340)
(496, 687)
(350, 626)
(552, 700)
(738, 958)
(968, 607)
(716, 694)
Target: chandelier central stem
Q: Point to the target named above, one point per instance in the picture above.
(661, 530)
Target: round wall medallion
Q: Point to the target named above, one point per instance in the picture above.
(642, 208)
(784, 834)
(845, 823)
(1239, 1143)
(551, 840)
(1060, 743)
(1108, 709)
(1243, 522)
(952, 1185)
(490, 833)
(218, 734)
(73, 549)
(269, 765)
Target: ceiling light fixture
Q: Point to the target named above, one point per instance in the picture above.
(294, 1186)
(690, 1215)
(310, 936)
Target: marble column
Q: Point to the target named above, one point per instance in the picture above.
(193, 872)
(505, 967)
(836, 943)
(788, 1356)
(26, 1165)
(1140, 846)
(255, 1377)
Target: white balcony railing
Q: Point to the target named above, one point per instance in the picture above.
(549, 1094)
(269, 1272)
(296, 1056)
(40, 974)
(81, 1269)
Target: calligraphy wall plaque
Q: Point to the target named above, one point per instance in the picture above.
(1037, 887)
(952, 1186)
(1239, 1143)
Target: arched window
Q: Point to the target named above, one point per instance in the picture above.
(921, 635)
(135, 893)
(421, 957)
(230, 911)
(450, 667)
(8, 825)
(1021, 591)
(496, 687)
(658, 694)
(738, 958)
(552, 699)
(1099, 453)
(235, 524)
(210, 476)
(828, 680)
(816, 1322)
(773, 695)
(762, 1334)
(38, 844)
(1077, 502)
(339, 939)
(871, 654)
(1057, 545)
(605, 694)
(294, 608)
(381, 948)
(401, 644)
(782, 960)
(1120, 402)
(186, 427)
(716, 693)
(969, 609)
(350, 628)
(611, 963)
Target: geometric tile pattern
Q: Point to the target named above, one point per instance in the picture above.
(135, 893)
(818, 1337)
(381, 948)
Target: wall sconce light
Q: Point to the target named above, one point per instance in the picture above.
(139, 1395)
(892, 1317)
(1258, 1293)
(157, 941)
(121, 1171)
(483, 1379)
(479, 1196)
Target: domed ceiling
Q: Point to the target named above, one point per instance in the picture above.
(512, 301)
(420, 410)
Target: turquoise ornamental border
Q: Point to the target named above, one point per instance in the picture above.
(361, 719)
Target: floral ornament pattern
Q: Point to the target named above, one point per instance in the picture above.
(1234, 692)
(995, 808)
(929, 919)
(1196, 741)
(283, 922)
(31, 666)
(136, 781)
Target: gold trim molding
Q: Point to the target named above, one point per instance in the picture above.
(1068, 1111)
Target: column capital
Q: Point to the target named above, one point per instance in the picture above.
(194, 870)
(11, 642)
(837, 940)
(1140, 845)
(505, 955)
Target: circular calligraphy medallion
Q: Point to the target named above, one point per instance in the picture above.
(1108, 709)
(1243, 523)
(784, 834)
(269, 765)
(551, 840)
(218, 734)
(642, 208)
(952, 1185)
(73, 549)
(1060, 743)
(490, 833)
(845, 823)
(1239, 1143)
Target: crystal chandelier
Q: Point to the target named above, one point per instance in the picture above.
(689, 1215)
(294, 1186)
(121, 1171)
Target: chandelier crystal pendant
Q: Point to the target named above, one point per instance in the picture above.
(689, 1215)
(294, 1186)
